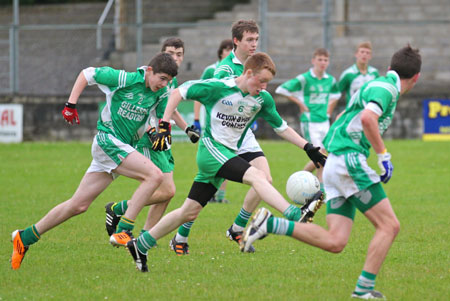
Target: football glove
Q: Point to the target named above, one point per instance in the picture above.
(385, 164)
(192, 133)
(197, 126)
(151, 132)
(315, 155)
(163, 139)
(70, 113)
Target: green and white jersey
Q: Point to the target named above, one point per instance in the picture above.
(352, 79)
(173, 84)
(128, 101)
(229, 66)
(209, 71)
(313, 92)
(380, 95)
(229, 111)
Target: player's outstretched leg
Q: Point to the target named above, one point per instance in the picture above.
(370, 295)
(19, 250)
(310, 207)
(139, 258)
(256, 230)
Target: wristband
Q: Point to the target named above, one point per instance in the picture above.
(70, 105)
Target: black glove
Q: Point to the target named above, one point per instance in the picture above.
(315, 155)
(151, 132)
(162, 140)
(192, 133)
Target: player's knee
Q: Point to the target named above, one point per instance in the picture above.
(258, 175)
(77, 208)
(170, 192)
(391, 227)
(190, 216)
(154, 176)
(337, 246)
(395, 227)
(269, 178)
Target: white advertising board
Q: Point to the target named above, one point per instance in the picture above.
(11, 123)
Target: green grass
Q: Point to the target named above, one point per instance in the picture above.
(75, 261)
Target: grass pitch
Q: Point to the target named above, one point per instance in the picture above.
(75, 261)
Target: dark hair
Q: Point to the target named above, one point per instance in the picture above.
(241, 26)
(406, 62)
(225, 44)
(164, 63)
(172, 42)
(258, 62)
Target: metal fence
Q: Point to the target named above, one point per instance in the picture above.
(41, 56)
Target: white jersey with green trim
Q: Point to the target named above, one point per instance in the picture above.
(229, 111)
(352, 79)
(347, 134)
(128, 101)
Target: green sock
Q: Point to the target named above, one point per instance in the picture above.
(145, 242)
(242, 218)
(142, 231)
(120, 207)
(366, 283)
(125, 224)
(220, 195)
(293, 213)
(185, 228)
(321, 188)
(280, 226)
(30, 235)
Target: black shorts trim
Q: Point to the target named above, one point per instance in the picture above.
(202, 192)
(234, 169)
(251, 156)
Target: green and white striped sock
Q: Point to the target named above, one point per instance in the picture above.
(366, 283)
(145, 242)
(241, 220)
(293, 213)
(120, 208)
(280, 226)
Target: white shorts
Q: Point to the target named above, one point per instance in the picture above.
(249, 144)
(315, 132)
(107, 153)
(345, 175)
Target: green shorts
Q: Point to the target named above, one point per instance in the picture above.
(363, 200)
(211, 156)
(163, 160)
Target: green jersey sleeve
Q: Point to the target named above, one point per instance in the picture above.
(334, 91)
(223, 71)
(379, 95)
(111, 78)
(290, 87)
(344, 82)
(203, 91)
(270, 114)
(208, 72)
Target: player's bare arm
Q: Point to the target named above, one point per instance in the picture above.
(369, 121)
